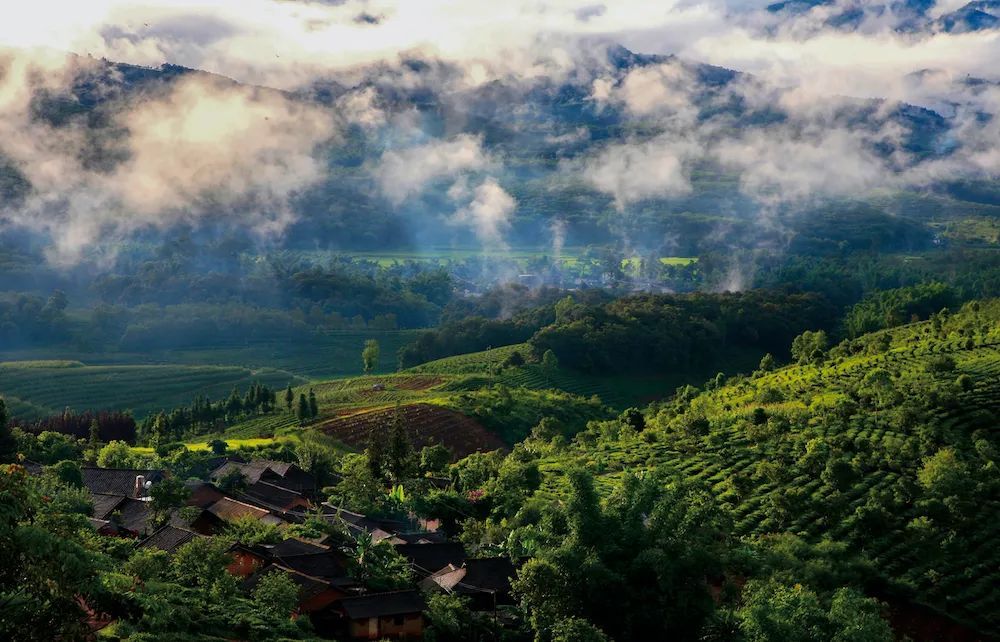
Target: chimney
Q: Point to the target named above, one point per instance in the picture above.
(140, 485)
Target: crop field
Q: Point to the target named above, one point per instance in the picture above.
(426, 424)
(567, 257)
(35, 390)
(341, 395)
(331, 354)
(962, 574)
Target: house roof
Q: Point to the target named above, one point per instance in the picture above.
(168, 538)
(105, 504)
(135, 513)
(116, 481)
(272, 495)
(475, 576)
(489, 573)
(255, 469)
(295, 546)
(252, 471)
(428, 558)
(383, 604)
(203, 494)
(228, 509)
(330, 566)
(423, 537)
(446, 579)
(32, 467)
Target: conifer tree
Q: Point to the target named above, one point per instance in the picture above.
(313, 406)
(289, 397)
(302, 414)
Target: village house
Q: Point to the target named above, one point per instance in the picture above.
(397, 615)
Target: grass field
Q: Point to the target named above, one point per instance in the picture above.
(334, 354)
(37, 390)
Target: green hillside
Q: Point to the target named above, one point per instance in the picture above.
(888, 443)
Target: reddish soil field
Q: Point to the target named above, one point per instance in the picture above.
(426, 425)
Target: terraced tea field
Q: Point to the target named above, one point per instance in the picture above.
(770, 491)
(36, 389)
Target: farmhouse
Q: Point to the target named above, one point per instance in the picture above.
(397, 616)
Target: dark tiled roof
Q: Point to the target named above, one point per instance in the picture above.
(116, 481)
(104, 505)
(252, 471)
(293, 546)
(228, 510)
(203, 495)
(330, 566)
(272, 495)
(422, 538)
(168, 538)
(383, 604)
(491, 574)
(135, 513)
(32, 467)
(429, 558)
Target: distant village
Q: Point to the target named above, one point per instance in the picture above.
(282, 494)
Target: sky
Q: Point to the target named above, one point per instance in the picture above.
(283, 43)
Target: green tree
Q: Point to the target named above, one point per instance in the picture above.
(313, 406)
(434, 459)
(550, 362)
(44, 575)
(276, 595)
(201, 563)
(401, 462)
(772, 612)
(66, 472)
(316, 459)
(767, 363)
(944, 474)
(8, 446)
(147, 564)
(359, 489)
(248, 530)
(302, 412)
(116, 454)
(855, 618)
(218, 446)
(378, 565)
(574, 629)
(370, 356)
(168, 494)
(809, 347)
(289, 397)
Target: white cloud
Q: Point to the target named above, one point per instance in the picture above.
(488, 212)
(631, 172)
(403, 173)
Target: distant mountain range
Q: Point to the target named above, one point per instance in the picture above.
(908, 15)
(542, 136)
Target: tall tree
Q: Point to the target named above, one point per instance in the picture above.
(370, 355)
(8, 446)
(313, 406)
(302, 413)
(289, 397)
